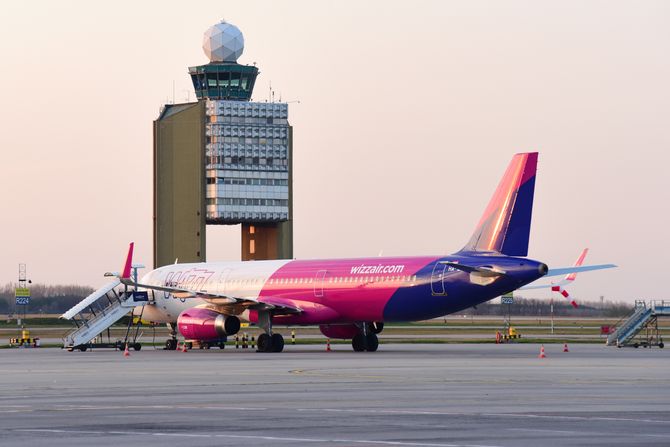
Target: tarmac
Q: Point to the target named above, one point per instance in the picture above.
(402, 395)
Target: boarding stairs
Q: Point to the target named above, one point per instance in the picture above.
(644, 317)
(100, 310)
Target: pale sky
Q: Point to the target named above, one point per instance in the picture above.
(409, 113)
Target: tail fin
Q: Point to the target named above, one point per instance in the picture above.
(125, 274)
(505, 225)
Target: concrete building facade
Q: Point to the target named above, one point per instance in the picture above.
(223, 160)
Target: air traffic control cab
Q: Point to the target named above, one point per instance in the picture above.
(222, 160)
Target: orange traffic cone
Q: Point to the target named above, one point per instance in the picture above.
(542, 352)
(183, 348)
(328, 345)
(565, 347)
(126, 353)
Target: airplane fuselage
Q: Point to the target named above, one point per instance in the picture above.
(344, 290)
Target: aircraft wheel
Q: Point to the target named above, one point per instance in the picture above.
(137, 346)
(661, 345)
(358, 343)
(372, 343)
(264, 343)
(222, 345)
(83, 348)
(277, 343)
(170, 344)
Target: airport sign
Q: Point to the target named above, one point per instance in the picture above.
(141, 296)
(507, 299)
(22, 295)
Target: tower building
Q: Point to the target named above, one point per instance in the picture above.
(222, 160)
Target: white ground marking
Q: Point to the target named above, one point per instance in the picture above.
(581, 433)
(250, 437)
(497, 415)
(417, 411)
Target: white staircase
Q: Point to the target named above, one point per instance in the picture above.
(98, 311)
(644, 316)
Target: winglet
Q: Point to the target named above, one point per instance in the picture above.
(129, 262)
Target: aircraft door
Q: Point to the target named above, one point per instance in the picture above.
(437, 279)
(319, 281)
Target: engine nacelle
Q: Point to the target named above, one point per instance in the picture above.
(345, 331)
(206, 324)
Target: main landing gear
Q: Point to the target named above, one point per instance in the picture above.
(171, 343)
(366, 339)
(368, 342)
(268, 342)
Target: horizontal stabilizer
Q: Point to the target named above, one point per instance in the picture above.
(585, 268)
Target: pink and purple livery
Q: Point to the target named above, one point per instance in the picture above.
(353, 298)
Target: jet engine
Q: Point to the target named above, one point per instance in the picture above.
(206, 324)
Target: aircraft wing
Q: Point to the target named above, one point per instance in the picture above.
(277, 306)
(236, 304)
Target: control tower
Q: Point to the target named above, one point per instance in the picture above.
(222, 160)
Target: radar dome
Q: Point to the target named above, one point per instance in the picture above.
(223, 42)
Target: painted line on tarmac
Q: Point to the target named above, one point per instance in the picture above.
(496, 415)
(582, 433)
(576, 418)
(132, 407)
(249, 437)
(559, 432)
(418, 412)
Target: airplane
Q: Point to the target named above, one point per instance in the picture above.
(353, 298)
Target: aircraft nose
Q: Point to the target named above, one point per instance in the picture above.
(543, 269)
